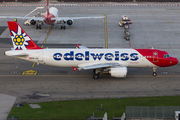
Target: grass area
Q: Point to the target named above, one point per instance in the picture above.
(81, 109)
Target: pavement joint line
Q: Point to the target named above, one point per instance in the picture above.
(172, 22)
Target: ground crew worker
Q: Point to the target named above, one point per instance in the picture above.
(15, 19)
(124, 18)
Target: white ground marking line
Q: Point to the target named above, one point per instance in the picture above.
(34, 10)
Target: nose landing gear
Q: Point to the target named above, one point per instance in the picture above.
(63, 27)
(154, 71)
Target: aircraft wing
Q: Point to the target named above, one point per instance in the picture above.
(35, 18)
(75, 18)
(96, 66)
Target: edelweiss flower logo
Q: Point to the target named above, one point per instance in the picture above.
(155, 53)
(19, 39)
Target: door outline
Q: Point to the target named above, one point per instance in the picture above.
(155, 56)
(40, 57)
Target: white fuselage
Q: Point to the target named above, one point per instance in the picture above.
(83, 57)
(53, 11)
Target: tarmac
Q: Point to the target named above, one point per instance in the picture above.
(153, 26)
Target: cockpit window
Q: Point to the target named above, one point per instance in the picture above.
(167, 55)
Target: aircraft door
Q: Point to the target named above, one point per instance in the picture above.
(155, 56)
(40, 57)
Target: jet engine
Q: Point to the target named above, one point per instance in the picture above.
(33, 22)
(70, 22)
(119, 72)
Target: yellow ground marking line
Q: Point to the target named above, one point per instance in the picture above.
(33, 64)
(45, 40)
(105, 22)
(29, 72)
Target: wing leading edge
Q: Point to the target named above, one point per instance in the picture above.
(96, 66)
(75, 18)
(35, 18)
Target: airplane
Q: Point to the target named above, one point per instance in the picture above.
(51, 18)
(112, 61)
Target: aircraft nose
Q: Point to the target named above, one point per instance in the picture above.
(175, 61)
(5, 53)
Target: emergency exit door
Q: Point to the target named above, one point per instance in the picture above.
(40, 57)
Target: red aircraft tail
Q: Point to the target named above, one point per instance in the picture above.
(47, 7)
(20, 39)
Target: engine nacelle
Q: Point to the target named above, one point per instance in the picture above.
(119, 72)
(70, 22)
(33, 22)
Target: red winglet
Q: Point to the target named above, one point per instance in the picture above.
(74, 68)
(77, 45)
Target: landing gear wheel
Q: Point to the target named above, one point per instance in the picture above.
(63, 27)
(154, 74)
(96, 76)
(154, 71)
